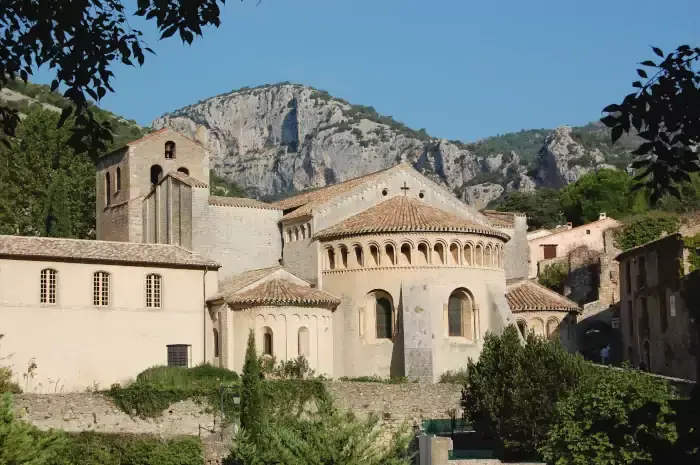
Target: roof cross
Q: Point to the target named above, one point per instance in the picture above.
(405, 188)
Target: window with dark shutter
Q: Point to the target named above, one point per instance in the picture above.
(550, 251)
(179, 355)
(384, 319)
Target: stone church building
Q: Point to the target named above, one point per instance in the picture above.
(386, 274)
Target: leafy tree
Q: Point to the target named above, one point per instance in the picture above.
(604, 190)
(20, 443)
(665, 112)
(553, 276)
(253, 414)
(81, 40)
(47, 188)
(602, 421)
(542, 207)
(645, 228)
(513, 389)
(329, 437)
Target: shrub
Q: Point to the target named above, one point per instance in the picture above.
(20, 443)
(460, 376)
(512, 390)
(328, 437)
(554, 276)
(645, 228)
(253, 414)
(596, 424)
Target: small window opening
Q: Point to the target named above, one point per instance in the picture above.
(170, 150)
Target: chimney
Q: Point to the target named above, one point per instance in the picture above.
(602, 216)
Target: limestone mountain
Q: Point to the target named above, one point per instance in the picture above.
(277, 139)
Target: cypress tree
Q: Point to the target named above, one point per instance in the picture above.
(57, 218)
(253, 414)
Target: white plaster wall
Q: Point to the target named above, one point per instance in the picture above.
(359, 353)
(285, 323)
(76, 344)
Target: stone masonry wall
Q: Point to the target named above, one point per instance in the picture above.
(93, 412)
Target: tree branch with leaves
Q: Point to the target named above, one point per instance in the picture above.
(665, 112)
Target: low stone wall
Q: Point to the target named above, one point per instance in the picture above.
(76, 412)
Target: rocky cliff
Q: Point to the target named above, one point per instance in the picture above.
(276, 139)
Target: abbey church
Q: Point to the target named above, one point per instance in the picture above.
(387, 274)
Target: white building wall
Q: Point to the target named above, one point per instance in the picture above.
(76, 344)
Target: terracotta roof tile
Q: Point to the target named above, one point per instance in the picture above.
(100, 251)
(240, 202)
(405, 214)
(306, 201)
(528, 296)
(500, 219)
(283, 292)
(235, 283)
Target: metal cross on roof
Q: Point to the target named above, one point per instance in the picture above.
(405, 188)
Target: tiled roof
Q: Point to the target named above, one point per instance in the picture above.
(148, 136)
(405, 214)
(186, 179)
(240, 202)
(500, 219)
(235, 283)
(306, 201)
(283, 292)
(528, 296)
(50, 248)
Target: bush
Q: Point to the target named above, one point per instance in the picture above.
(645, 228)
(460, 376)
(596, 424)
(554, 276)
(20, 443)
(253, 414)
(513, 389)
(91, 448)
(329, 437)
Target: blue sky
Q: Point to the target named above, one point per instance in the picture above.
(460, 69)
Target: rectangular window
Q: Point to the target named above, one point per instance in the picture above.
(550, 251)
(179, 355)
(153, 290)
(100, 289)
(48, 286)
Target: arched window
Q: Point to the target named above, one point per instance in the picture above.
(522, 326)
(553, 329)
(100, 289)
(487, 256)
(460, 315)
(170, 150)
(494, 257)
(48, 286)
(119, 179)
(359, 256)
(344, 256)
(303, 342)
(331, 258)
(439, 254)
(267, 341)
(389, 249)
(479, 255)
(454, 253)
(296, 234)
(405, 254)
(423, 254)
(303, 232)
(500, 257)
(538, 327)
(108, 190)
(384, 318)
(183, 170)
(374, 254)
(468, 255)
(289, 235)
(216, 342)
(156, 174)
(308, 230)
(153, 290)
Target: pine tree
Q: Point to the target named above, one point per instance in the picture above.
(253, 414)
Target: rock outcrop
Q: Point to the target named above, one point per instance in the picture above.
(276, 139)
